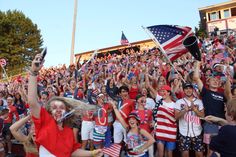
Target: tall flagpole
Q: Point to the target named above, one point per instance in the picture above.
(73, 33)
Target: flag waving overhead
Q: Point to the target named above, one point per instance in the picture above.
(170, 38)
(124, 40)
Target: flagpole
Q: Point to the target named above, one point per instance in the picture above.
(93, 55)
(162, 51)
(73, 33)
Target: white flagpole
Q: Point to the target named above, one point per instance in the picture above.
(92, 57)
(162, 50)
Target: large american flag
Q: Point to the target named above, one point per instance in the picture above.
(124, 40)
(113, 150)
(171, 37)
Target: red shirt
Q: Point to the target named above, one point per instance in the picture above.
(31, 155)
(102, 120)
(145, 119)
(127, 107)
(88, 116)
(60, 143)
(12, 112)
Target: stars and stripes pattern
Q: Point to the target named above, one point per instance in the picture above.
(170, 38)
(124, 40)
(166, 127)
(113, 150)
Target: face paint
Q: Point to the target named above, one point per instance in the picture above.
(58, 110)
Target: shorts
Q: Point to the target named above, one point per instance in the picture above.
(168, 145)
(119, 132)
(194, 143)
(87, 130)
(6, 130)
(98, 138)
(209, 130)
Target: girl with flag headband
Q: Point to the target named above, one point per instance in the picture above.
(54, 137)
(136, 146)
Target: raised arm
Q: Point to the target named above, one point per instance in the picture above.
(15, 129)
(118, 115)
(148, 143)
(196, 76)
(32, 87)
(227, 91)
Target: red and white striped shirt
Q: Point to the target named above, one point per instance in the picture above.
(166, 127)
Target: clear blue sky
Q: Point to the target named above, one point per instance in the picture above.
(100, 22)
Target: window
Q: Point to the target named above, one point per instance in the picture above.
(233, 11)
(226, 13)
(214, 16)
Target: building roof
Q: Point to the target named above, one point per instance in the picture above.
(218, 6)
(116, 47)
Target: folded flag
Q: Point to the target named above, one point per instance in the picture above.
(113, 150)
(170, 38)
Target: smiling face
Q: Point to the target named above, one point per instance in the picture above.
(141, 101)
(57, 109)
(133, 122)
(188, 91)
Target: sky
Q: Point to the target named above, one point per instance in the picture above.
(99, 23)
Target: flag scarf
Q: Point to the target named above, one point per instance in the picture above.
(124, 40)
(170, 38)
(113, 150)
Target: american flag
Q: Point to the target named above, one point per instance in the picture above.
(113, 150)
(124, 40)
(171, 37)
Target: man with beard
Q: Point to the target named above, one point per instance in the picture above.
(187, 112)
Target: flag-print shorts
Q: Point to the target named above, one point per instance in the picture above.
(186, 143)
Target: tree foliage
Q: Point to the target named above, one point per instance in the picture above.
(201, 30)
(20, 40)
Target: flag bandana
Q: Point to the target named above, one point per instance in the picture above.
(171, 37)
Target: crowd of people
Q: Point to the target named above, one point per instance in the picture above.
(137, 99)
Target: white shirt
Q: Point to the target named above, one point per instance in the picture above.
(189, 124)
(150, 103)
(44, 152)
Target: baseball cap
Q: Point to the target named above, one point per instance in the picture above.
(165, 87)
(187, 84)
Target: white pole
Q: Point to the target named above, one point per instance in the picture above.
(73, 33)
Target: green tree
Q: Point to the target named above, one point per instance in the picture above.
(20, 40)
(201, 30)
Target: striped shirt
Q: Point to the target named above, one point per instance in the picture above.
(166, 127)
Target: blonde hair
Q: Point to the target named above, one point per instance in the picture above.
(231, 108)
(70, 104)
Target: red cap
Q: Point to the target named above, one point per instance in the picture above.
(165, 87)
